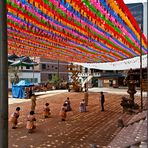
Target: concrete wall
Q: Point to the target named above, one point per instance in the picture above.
(52, 67)
(26, 75)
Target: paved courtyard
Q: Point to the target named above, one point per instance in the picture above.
(80, 130)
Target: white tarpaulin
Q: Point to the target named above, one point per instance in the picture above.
(133, 63)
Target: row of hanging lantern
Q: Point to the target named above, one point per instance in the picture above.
(102, 31)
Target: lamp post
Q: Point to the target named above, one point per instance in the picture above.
(3, 77)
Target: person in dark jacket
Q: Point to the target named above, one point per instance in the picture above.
(102, 100)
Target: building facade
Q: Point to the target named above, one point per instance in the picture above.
(41, 73)
(102, 78)
(139, 11)
(49, 68)
(29, 73)
(24, 73)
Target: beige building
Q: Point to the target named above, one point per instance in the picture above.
(49, 68)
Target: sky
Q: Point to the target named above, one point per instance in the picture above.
(134, 1)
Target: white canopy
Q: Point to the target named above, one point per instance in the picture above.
(133, 63)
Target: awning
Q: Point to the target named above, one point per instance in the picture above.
(111, 75)
(133, 63)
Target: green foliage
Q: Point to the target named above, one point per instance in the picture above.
(55, 79)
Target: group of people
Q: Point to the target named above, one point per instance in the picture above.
(66, 107)
(84, 102)
(30, 125)
(83, 105)
(30, 120)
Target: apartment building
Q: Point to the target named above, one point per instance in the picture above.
(49, 68)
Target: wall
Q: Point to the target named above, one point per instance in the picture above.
(26, 75)
(53, 67)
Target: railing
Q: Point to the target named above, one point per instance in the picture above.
(86, 80)
(87, 74)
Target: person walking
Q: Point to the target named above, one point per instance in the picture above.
(33, 102)
(102, 100)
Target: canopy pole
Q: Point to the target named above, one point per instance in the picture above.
(3, 77)
(141, 77)
(58, 74)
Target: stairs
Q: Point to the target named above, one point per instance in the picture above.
(87, 80)
(134, 135)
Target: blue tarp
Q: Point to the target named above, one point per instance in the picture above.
(24, 83)
(18, 92)
(18, 89)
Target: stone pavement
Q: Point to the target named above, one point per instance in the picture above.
(40, 95)
(110, 90)
(80, 130)
(121, 91)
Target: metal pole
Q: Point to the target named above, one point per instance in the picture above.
(3, 77)
(141, 32)
(33, 70)
(33, 73)
(141, 92)
(58, 74)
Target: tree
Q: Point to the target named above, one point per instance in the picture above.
(13, 74)
(55, 79)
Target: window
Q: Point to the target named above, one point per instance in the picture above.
(27, 67)
(86, 70)
(43, 66)
(35, 80)
(49, 76)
